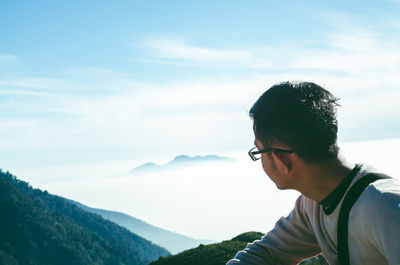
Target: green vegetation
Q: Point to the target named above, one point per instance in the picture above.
(213, 254)
(220, 253)
(37, 228)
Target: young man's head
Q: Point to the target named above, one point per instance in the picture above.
(300, 116)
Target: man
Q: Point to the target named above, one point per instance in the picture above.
(295, 130)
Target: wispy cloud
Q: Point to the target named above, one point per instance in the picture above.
(343, 53)
(7, 57)
(181, 50)
(21, 92)
(19, 123)
(358, 54)
(77, 81)
(8, 61)
(393, 1)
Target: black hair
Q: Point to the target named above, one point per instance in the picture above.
(300, 116)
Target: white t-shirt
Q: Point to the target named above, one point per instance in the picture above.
(374, 230)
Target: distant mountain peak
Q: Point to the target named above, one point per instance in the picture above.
(179, 162)
(181, 158)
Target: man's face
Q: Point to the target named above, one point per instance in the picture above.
(269, 166)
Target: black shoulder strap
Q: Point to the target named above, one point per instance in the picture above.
(348, 202)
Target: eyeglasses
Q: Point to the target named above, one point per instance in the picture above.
(255, 154)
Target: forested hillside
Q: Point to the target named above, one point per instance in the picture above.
(39, 228)
(220, 253)
(213, 254)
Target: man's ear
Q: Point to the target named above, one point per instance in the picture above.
(283, 161)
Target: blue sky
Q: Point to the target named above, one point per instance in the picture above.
(95, 81)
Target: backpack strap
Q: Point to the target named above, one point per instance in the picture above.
(343, 221)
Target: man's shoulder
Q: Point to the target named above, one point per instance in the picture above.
(380, 199)
(383, 186)
(380, 189)
(384, 193)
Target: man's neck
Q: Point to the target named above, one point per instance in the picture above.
(319, 180)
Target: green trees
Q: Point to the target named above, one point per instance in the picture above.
(213, 254)
(220, 253)
(37, 228)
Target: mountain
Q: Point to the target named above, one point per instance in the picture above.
(146, 167)
(198, 159)
(179, 162)
(171, 241)
(37, 228)
(220, 253)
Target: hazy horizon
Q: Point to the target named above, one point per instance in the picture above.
(219, 200)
